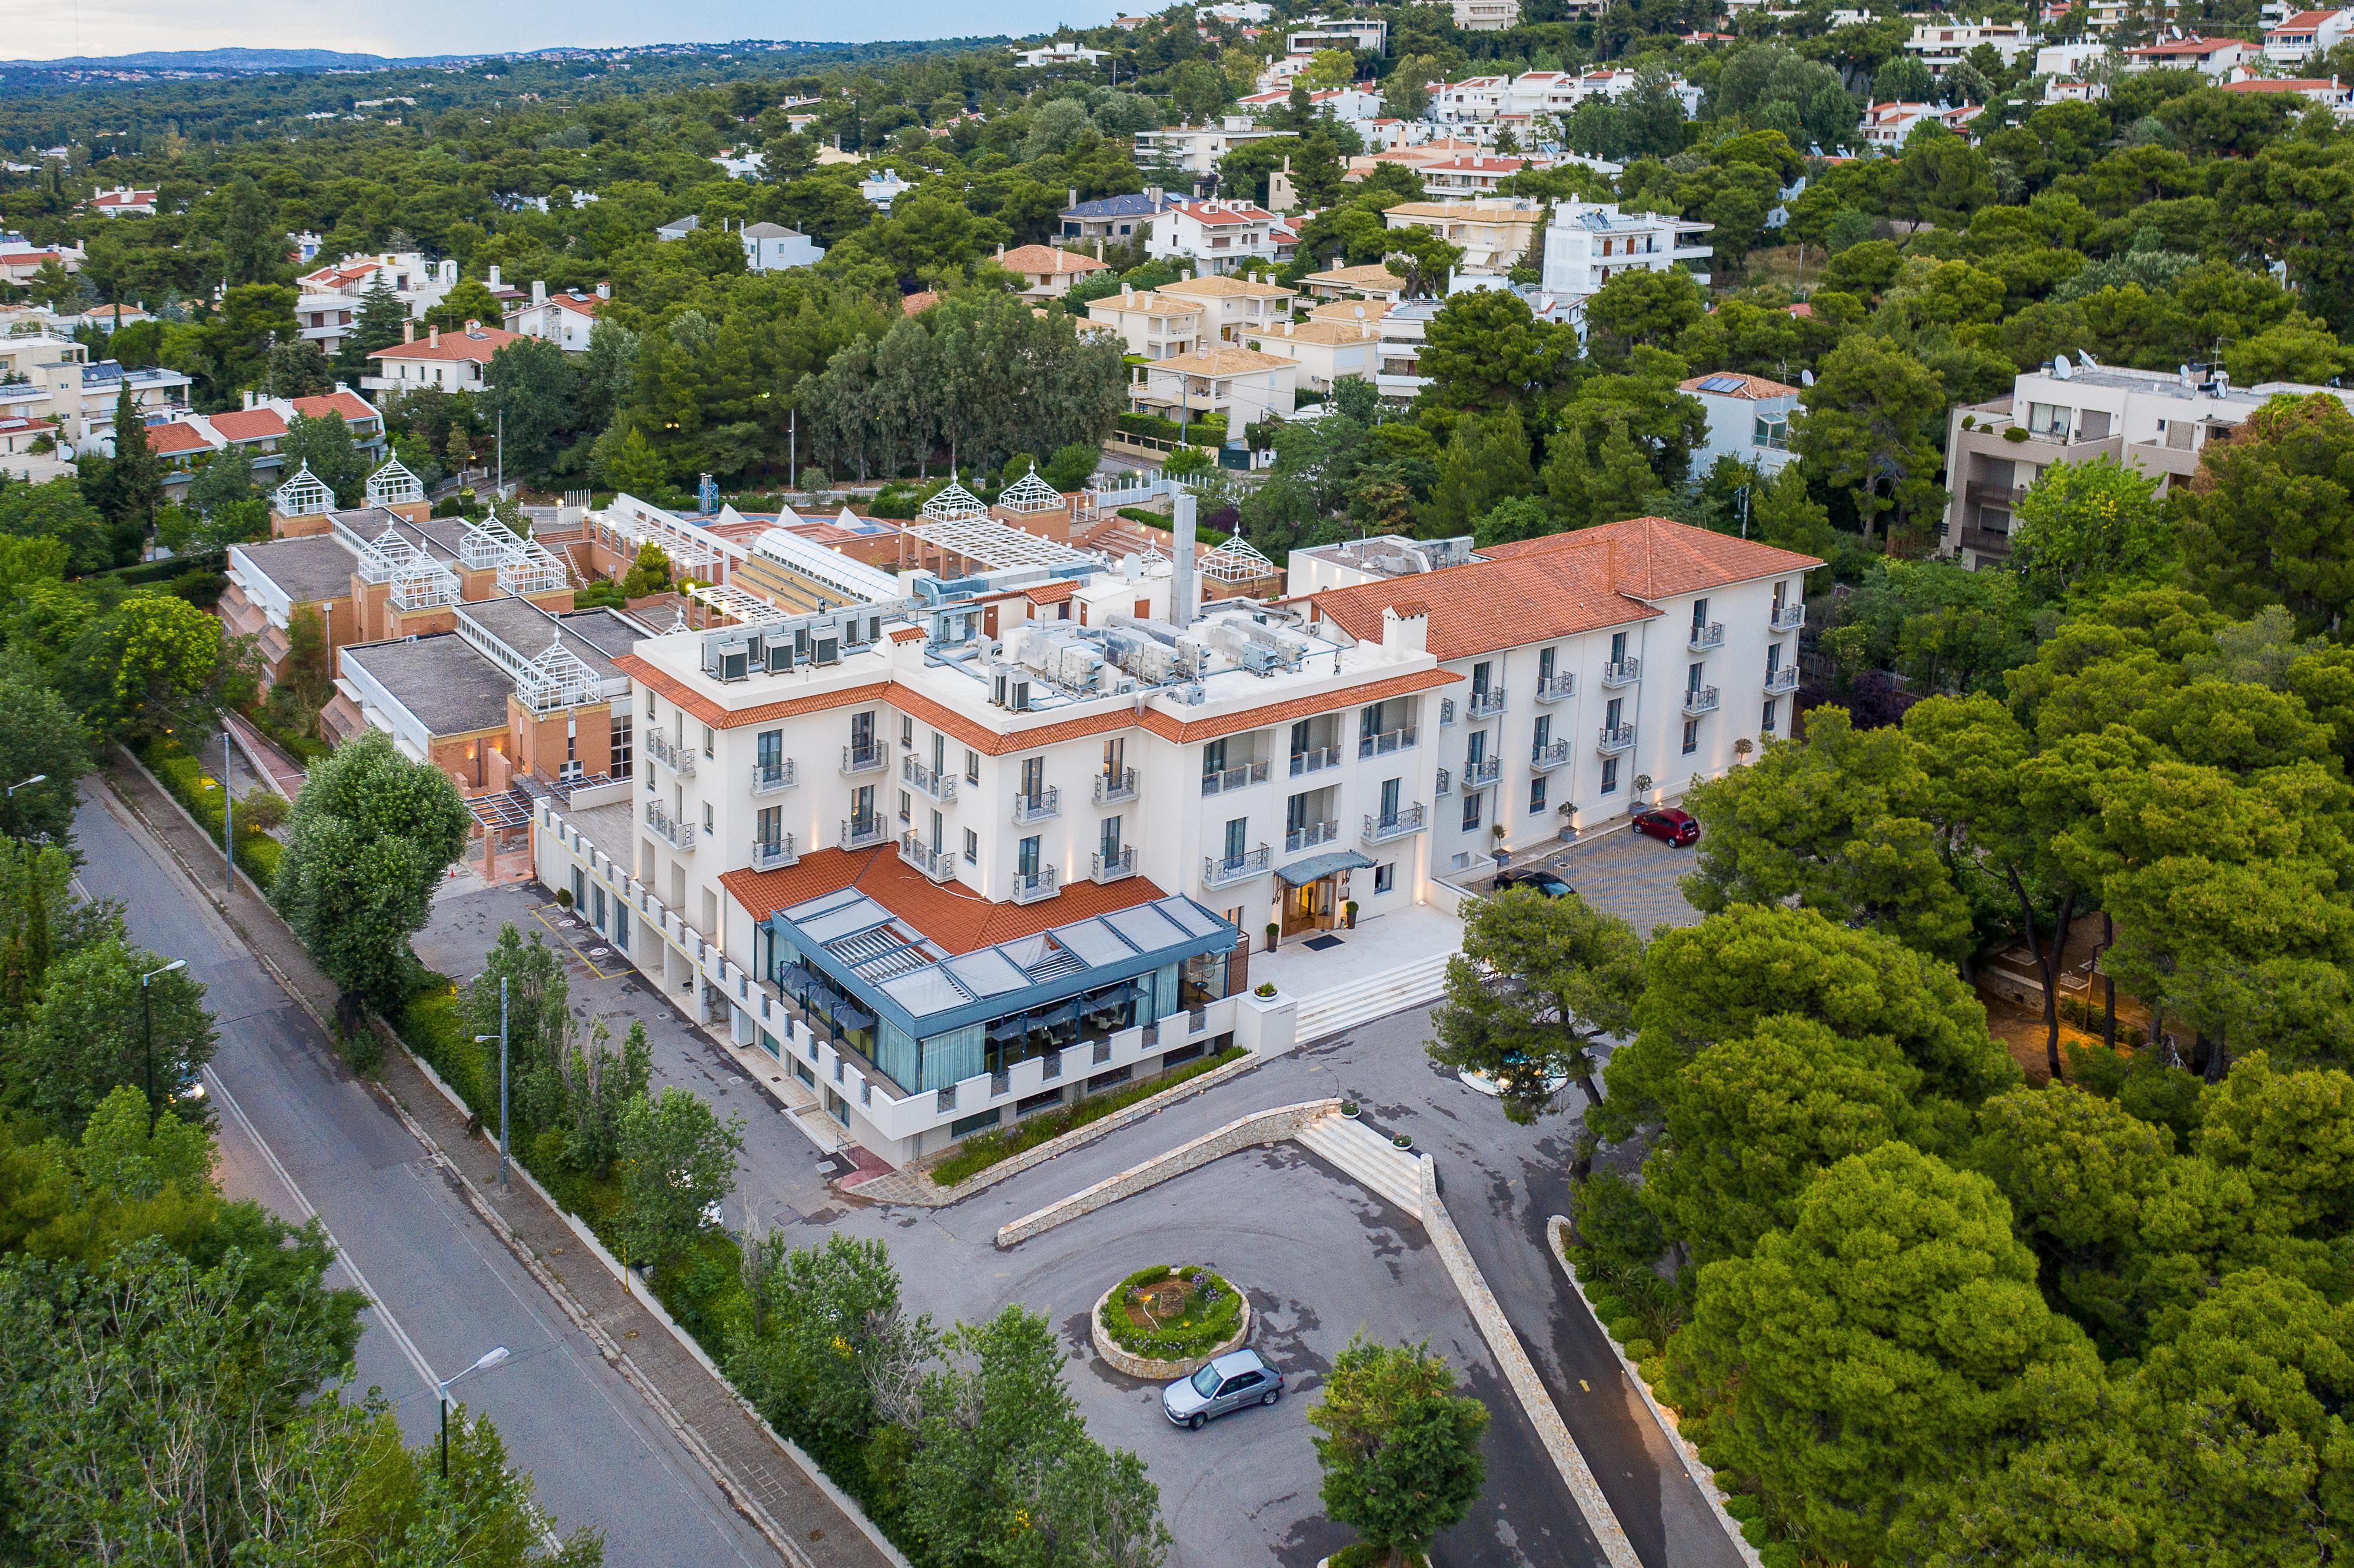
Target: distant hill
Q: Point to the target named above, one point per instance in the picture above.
(226, 62)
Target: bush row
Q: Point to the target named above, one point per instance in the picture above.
(983, 1149)
(257, 852)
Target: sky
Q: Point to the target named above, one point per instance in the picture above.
(102, 27)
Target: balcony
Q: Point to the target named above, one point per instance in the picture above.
(1986, 541)
(1625, 673)
(1699, 700)
(1445, 712)
(1315, 759)
(1102, 868)
(1029, 887)
(773, 778)
(2001, 497)
(678, 835)
(1705, 638)
(929, 782)
(1405, 821)
(679, 759)
(1389, 740)
(1218, 872)
(1227, 780)
(768, 854)
(871, 758)
(863, 833)
(938, 865)
(1616, 738)
(1047, 802)
(1307, 835)
(1546, 756)
(1556, 688)
(1114, 789)
(1485, 705)
(1779, 681)
(1479, 772)
(1788, 617)
(1446, 782)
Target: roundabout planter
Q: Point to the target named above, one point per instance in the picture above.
(1155, 1369)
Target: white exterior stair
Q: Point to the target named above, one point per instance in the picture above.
(1358, 1151)
(1377, 996)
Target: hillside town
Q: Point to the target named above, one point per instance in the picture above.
(1615, 739)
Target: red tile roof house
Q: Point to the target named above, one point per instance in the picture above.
(451, 361)
(18, 432)
(564, 318)
(123, 202)
(184, 444)
(1045, 272)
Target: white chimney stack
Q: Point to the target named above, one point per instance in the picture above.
(1181, 563)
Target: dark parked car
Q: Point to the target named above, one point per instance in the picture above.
(1551, 883)
(1234, 1380)
(1669, 825)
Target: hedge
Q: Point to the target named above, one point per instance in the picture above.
(257, 852)
(1186, 1339)
(984, 1150)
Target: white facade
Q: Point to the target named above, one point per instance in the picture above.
(1195, 149)
(1217, 236)
(2297, 39)
(1486, 15)
(773, 247)
(1588, 243)
(1396, 367)
(2211, 57)
(1360, 36)
(2071, 59)
(881, 190)
(565, 319)
(1941, 46)
(1748, 420)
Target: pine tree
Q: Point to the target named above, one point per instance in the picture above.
(134, 479)
(379, 326)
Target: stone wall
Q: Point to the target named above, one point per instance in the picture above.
(1256, 1130)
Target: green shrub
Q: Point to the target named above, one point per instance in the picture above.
(983, 1149)
(1363, 1554)
(1640, 1350)
(1743, 1507)
(1211, 1316)
(184, 778)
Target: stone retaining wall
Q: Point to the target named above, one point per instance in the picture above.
(1145, 1367)
(1257, 1129)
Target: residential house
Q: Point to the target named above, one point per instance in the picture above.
(182, 440)
(1494, 233)
(1486, 15)
(773, 247)
(2329, 92)
(2072, 59)
(2156, 422)
(1362, 36)
(123, 202)
(1238, 384)
(1886, 126)
(46, 378)
(21, 260)
(449, 361)
(565, 319)
(679, 228)
(1748, 420)
(20, 431)
(1061, 52)
(1355, 106)
(1215, 235)
(1943, 45)
(1117, 219)
(2211, 58)
(1153, 325)
(881, 190)
(2295, 39)
(1195, 150)
(1045, 272)
(1232, 308)
(1372, 281)
(1324, 351)
(329, 298)
(1588, 243)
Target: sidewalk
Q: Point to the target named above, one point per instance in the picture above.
(767, 1484)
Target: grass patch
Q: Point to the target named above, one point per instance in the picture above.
(1171, 1312)
(984, 1150)
(185, 777)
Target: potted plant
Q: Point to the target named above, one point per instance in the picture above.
(563, 898)
(1349, 913)
(1642, 786)
(1743, 747)
(1401, 1141)
(1350, 1108)
(1274, 931)
(1267, 989)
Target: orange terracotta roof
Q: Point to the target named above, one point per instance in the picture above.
(1488, 605)
(350, 405)
(169, 440)
(906, 634)
(249, 424)
(1751, 386)
(1656, 557)
(1050, 593)
(477, 344)
(1045, 258)
(954, 915)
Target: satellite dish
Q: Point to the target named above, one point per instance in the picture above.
(2060, 367)
(1806, 378)
(1361, 312)
(2090, 363)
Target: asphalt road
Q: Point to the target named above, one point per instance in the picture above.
(300, 1134)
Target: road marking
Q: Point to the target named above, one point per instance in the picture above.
(310, 1211)
(1585, 1385)
(571, 944)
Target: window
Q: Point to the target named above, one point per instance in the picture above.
(1213, 758)
(1771, 433)
(971, 847)
(1611, 711)
(1237, 831)
(1618, 647)
(907, 807)
(1537, 795)
(771, 829)
(1610, 776)
(1767, 724)
(1545, 663)
(1691, 737)
(1025, 857)
(1471, 805)
(1385, 878)
(971, 765)
(2048, 418)
(770, 748)
(707, 740)
(706, 816)
(908, 732)
(623, 754)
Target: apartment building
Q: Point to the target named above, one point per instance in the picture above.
(1398, 376)
(1195, 150)
(2075, 411)
(1748, 420)
(1116, 218)
(1486, 15)
(44, 377)
(1886, 126)
(2297, 39)
(1233, 308)
(1365, 36)
(1372, 281)
(1216, 235)
(328, 300)
(1494, 233)
(1941, 46)
(1588, 243)
(1238, 385)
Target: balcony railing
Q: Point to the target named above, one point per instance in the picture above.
(1616, 738)
(1783, 679)
(1400, 739)
(1315, 759)
(1446, 782)
(1031, 886)
(1788, 617)
(767, 854)
(1705, 638)
(1445, 712)
(1486, 704)
(1624, 673)
(938, 865)
(1104, 868)
(1699, 700)
(1111, 789)
(929, 782)
(1481, 772)
(1307, 835)
(678, 835)
(1227, 779)
(773, 778)
(863, 833)
(1224, 873)
(1047, 802)
(1406, 819)
(1546, 756)
(1556, 688)
(679, 759)
(1986, 540)
(868, 758)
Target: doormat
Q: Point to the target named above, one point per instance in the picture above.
(1318, 944)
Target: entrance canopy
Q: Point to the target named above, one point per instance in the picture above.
(1301, 872)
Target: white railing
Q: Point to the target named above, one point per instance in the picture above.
(1400, 739)
(1556, 688)
(773, 778)
(1616, 738)
(863, 833)
(1102, 868)
(678, 835)
(679, 759)
(1031, 886)
(1705, 638)
(929, 782)
(1397, 824)
(1624, 673)
(1315, 759)
(938, 865)
(1481, 772)
(1546, 756)
(1231, 778)
(1224, 873)
(1699, 700)
(767, 854)
(1487, 703)
(1047, 802)
(864, 758)
(1307, 835)
(1783, 678)
(1789, 616)
(1111, 789)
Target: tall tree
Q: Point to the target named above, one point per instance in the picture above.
(2272, 520)
(97, 1027)
(535, 392)
(134, 477)
(1399, 1446)
(380, 324)
(677, 1161)
(41, 739)
(1867, 429)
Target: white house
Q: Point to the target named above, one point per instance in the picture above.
(564, 318)
(2297, 39)
(1588, 243)
(1233, 308)
(2329, 92)
(1195, 149)
(1215, 235)
(1062, 52)
(123, 202)
(1367, 35)
(1886, 126)
(1241, 385)
(330, 298)
(2211, 58)
(1324, 350)
(451, 361)
(2071, 59)
(1748, 420)
(1486, 15)
(679, 228)
(1941, 46)
(1397, 373)
(881, 190)
(773, 247)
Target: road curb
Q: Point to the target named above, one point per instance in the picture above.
(1556, 1235)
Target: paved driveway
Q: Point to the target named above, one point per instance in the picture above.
(1631, 876)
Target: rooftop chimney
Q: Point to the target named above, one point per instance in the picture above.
(539, 291)
(1181, 563)
(604, 291)
(495, 279)
(409, 329)
(433, 337)
(1075, 197)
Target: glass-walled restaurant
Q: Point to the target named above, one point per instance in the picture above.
(926, 1018)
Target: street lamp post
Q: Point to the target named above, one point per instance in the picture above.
(147, 1033)
(36, 779)
(490, 1359)
(229, 820)
(502, 1038)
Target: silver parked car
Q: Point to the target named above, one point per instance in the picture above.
(1234, 1380)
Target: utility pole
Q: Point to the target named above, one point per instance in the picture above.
(147, 1034)
(793, 448)
(228, 816)
(502, 1038)
(499, 482)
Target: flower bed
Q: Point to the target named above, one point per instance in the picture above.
(1173, 1312)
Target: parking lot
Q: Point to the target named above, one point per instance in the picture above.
(1625, 873)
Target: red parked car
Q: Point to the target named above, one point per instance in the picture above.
(1668, 826)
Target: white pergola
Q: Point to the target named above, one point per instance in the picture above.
(954, 504)
(304, 495)
(1030, 493)
(1236, 561)
(393, 486)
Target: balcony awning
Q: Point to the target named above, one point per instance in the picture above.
(1301, 872)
